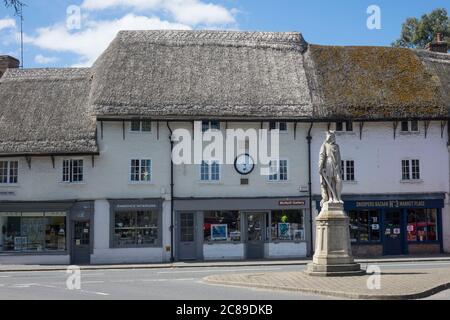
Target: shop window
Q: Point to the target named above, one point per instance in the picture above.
(278, 170)
(73, 171)
(422, 225)
(9, 171)
(210, 125)
(364, 226)
(141, 126)
(210, 171)
(33, 231)
(222, 226)
(135, 229)
(411, 169)
(287, 225)
(348, 170)
(141, 170)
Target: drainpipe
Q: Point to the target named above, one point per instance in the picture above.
(309, 138)
(172, 257)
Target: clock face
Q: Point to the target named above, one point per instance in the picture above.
(244, 164)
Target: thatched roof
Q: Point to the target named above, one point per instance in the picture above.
(202, 74)
(373, 83)
(46, 111)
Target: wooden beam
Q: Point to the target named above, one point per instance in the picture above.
(395, 123)
(443, 124)
(93, 161)
(426, 125)
(28, 159)
(295, 130)
(123, 129)
(101, 130)
(361, 126)
(53, 161)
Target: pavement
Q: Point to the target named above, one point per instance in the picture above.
(206, 264)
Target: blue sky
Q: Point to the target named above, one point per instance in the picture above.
(50, 42)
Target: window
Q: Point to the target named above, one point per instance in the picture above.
(282, 126)
(73, 171)
(278, 170)
(348, 170)
(222, 226)
(33, 231)
(141, 170)
(210, 125)
(422, 225)
(364, 225)
(410, 126)
(135, 228)
(210, 171)
(287, 225)
(411, 169)
(9, 171)
(141, 126)
(344, 126)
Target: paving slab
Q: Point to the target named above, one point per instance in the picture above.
(394, 284)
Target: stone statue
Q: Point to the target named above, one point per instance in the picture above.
(330, 170)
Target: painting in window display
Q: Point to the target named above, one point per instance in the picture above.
(287, 225)
(222, 226)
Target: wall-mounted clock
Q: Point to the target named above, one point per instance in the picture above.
(244, 164)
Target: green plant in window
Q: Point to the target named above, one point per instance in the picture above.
(284, 218)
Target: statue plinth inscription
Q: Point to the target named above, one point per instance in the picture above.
(333, 255)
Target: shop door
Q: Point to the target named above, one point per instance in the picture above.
(393, 232)
(81, 244)
(186, 245)
(256, 235)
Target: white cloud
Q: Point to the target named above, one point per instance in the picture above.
(41, 59)
(7, 23)
(192, 12)
(90, 42)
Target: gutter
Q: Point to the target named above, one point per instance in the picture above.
(172, 187)
(309, 138)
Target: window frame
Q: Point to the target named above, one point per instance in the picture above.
(278, 180)
(8, 173)
(71, 173)
(345, 126)
(409, 126)
(344, 170)
(210, 164)
(130, 173)
(278, 126)
(411, 173)
(141, 126)
(209, 125)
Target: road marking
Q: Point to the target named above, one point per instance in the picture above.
(218, 270)
(410, 264)
(164, 280)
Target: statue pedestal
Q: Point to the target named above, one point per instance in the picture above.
(333, 255)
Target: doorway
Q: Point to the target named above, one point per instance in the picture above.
(187, 246)
(81, 242)
(256, 235)
(393, 232)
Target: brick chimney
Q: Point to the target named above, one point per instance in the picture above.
(438, 44)
(7, 62)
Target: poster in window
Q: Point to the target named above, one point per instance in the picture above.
(219, 232)
(20, 243)
(284, 231)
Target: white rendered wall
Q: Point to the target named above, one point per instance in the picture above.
(285, 250)
(223, 251)
(11, 259)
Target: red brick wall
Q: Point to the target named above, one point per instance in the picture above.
(360, 251)
(424, 248)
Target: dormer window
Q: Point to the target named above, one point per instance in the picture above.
(210, 125)
(282, 126)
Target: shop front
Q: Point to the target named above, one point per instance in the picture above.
(236, 229)
(42, 232)
(395, 224)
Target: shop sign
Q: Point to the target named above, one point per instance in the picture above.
(291, 202)
(136, 206)
(390, 204)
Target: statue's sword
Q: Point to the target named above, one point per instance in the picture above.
(328, 183)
